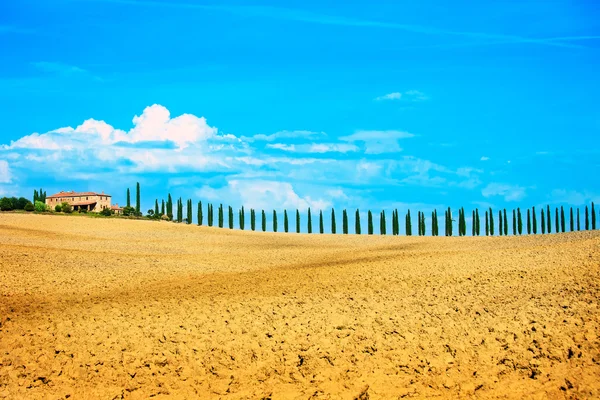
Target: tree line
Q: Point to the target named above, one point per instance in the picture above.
(494, 224)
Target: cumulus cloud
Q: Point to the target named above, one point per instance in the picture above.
(509, 192)
(153, 125)
(484, 158)
(378, 142)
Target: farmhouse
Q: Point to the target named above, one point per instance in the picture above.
(89, 201)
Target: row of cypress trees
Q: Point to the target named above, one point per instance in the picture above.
(531, 227)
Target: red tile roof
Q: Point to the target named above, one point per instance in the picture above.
(116, 207)
(77, 194)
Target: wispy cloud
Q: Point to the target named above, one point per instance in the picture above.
(484, 158)
(390, 96)
(378, 142)
(509, 192)
(64, 70)
(483, 38)
(283, 135)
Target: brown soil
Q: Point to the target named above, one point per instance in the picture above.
(108, 308)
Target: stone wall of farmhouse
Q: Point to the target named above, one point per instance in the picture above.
(101, 201)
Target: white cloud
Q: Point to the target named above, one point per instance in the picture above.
(509, 192)
(573, 197)
(410, 95)
(332, 147)
(314, 147)
(390, 96)
(484, 158)
(378, 142)
(415, 95)
(283, 135)
(5, 176)
(282, 146)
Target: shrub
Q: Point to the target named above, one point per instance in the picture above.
(58, 208)
(165, 217)
(107, 212)
(6, 204)
(83, 210)
(66, 208)
(29, 207)
(20, 203)
(128, 211)
(39, 206)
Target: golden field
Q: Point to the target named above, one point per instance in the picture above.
(111, 308)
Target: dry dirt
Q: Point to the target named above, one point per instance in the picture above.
(108, 308)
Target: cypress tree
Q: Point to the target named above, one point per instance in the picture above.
(557, 229)
(370, 223)
(408, 224)
(505, 224)
(162, 207)
(587, 219)
(156, 207)
(433, 223)
(393, 223)
(310, 221)
(345, 222)
(128, 198)
(189, 211)
(528, 222)
(297, 221)
(357, 223)
(242, 219)
(593, 216)
(180, 211)
(285, 221)
(491, 222)
(487, 224)
(534, 220)
(199, 213)
(514, 223)
(500, 220)
(549, 219)
(170, 207)
(230, 213)
(578, 225)
(478, 225)
(418, 223)
(450, 223)
(473, 224)
(562, 219)
(264, 221)
(321, 224)
(543, 225)
(220, 216)
(138, 200)
(422, 224)
(252, 219)
(383, 224)
(35, 195)
(274, 221)
(209, 214)
(333, 230)
(519, 221)
(572, 220)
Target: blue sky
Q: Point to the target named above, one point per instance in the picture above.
(293, 104)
